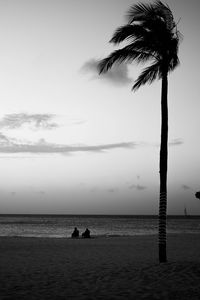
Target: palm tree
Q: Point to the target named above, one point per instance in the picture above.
(151, 35)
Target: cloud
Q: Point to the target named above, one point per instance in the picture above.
(9, 145)
(137, 187)
(117, 75)
(42, 193)
(4, 139)
(176, 142)
(111, 190)
(185, 187)
(35, 121)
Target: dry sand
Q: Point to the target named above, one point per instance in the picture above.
(100, 268)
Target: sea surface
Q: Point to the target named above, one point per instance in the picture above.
(59, 226)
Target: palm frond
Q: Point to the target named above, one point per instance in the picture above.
(179, 36)
(117, 56)
(147, 45)
(148, 75)
(139, 11)
(172, 54)
(165, 12)
(175, 62)
(156, 26)
(127, 32)
(152, 35)
(126, 54)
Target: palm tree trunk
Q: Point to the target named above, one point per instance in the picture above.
(163, 171)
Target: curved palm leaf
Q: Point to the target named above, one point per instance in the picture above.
(126, 54)
(135, 32)
(148, 75)
(127, 32)
(175, 62)
(164, 12)
(147, 46)
(140, 11)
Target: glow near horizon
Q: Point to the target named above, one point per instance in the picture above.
(45, 45)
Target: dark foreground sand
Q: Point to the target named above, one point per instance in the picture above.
(101, 268)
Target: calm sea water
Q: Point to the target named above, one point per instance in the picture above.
(62, 225)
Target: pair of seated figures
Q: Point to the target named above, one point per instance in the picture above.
(85, 234)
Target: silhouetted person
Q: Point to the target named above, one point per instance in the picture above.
(86, 234)
(75, 233)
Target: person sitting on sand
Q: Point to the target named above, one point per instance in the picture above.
(86, 234)
(75, 233)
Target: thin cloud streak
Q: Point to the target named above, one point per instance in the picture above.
(118, 75)
(11, 146)
(137, 187)
(176, 142)
(173, 142)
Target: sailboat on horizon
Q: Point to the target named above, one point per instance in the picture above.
(185, 212)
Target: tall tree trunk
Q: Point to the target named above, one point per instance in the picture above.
(163, 172)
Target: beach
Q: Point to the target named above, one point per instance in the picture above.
(99, 268)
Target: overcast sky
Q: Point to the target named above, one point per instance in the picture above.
(74, 142)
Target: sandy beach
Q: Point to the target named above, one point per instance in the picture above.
(99, 268)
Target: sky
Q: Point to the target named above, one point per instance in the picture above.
(74, 142)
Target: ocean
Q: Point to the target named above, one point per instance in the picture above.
(59, 226)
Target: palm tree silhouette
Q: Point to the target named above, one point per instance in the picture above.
(152, 35)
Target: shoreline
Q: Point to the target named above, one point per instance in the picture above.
(103, 236)
(80, 238)
(99, 268)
